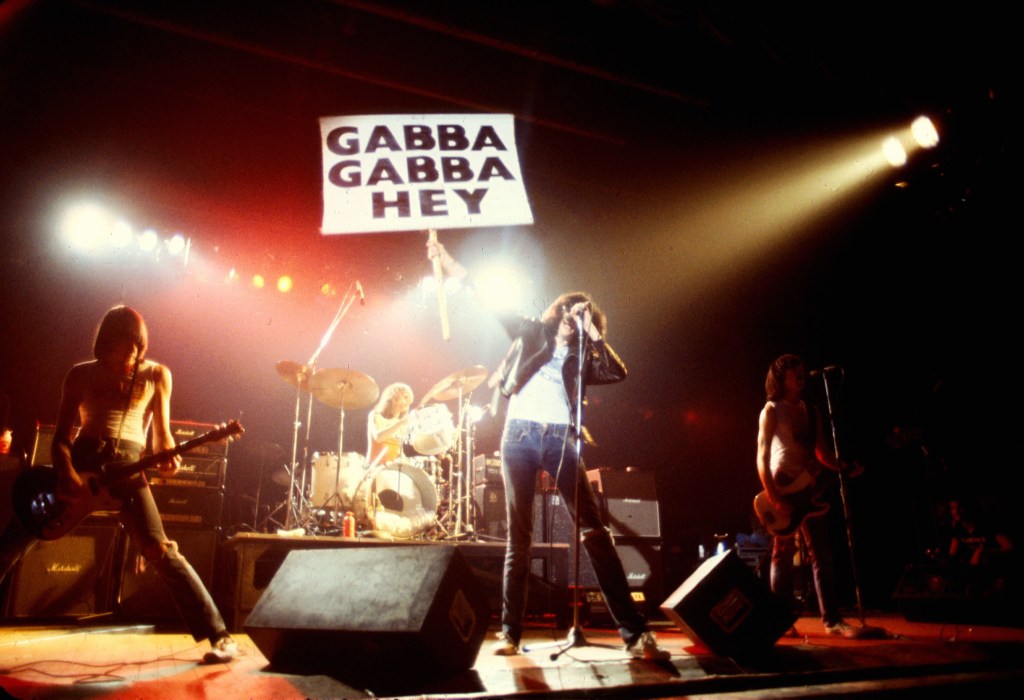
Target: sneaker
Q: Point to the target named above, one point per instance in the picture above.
(504, 646)
(646, 647)
(221, 651)
(840, 629)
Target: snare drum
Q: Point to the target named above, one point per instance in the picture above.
(431, 430)
(328, 478)
(398, 498)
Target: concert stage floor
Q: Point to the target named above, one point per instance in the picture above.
(908, 659)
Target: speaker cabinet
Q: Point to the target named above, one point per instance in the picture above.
(629, 500)
(489, 505)
(69, 577)
(372, 611)
(725, 607)
(143, 594)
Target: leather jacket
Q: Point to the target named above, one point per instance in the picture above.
(533, 344)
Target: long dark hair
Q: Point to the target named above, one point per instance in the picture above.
(560, 307)
(775, 382)
(119, 324)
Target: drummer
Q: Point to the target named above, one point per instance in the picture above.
(387, 424)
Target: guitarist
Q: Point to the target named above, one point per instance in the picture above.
(115, 398)
(791, 446)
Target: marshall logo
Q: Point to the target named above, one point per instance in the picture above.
(63, 568)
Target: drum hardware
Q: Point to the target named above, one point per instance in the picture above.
(341, 389)
(459, 385)
(338, 388)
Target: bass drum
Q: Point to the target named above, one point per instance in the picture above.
(328, 477)
(397, 498)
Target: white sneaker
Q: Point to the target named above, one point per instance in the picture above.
(841, 629)
(221, 651)
(504, 646)
(646, 647)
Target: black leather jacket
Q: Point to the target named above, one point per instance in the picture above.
(533, 344)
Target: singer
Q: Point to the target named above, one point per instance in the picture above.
(539, 376)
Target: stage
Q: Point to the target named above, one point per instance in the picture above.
(913, 659)
(333, 587)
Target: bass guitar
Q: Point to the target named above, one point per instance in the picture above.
(801, 496)
(46, 516)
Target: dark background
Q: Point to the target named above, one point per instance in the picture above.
(656, 141)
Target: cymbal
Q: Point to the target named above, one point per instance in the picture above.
(448, 388)
(295, 374)
(344, 388)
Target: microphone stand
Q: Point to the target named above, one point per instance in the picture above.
(864, 631)
(575, 637)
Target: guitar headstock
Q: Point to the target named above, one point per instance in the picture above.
(227, 432)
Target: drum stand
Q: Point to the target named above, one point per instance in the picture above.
(460, 494)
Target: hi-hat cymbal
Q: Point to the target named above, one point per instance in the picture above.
(295, 374)
(344, 388)
(449, 388)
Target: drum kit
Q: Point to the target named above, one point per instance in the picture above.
(425, 496)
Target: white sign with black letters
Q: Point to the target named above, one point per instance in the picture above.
(412, 172)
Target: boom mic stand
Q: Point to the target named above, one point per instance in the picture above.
(575, 637)
(864, 631)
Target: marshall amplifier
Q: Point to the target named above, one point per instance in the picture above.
(183, 430)
(187, 505)
(629, 501)
(196, 471)
(487, 469)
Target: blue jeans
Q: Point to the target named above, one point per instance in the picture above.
(815, 534)
(526, 448)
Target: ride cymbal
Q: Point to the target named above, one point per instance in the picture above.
(344, 388)
(463, 381)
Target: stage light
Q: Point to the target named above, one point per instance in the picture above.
(894, 152)
(176, 244)
(258, 281)
(86, 225)
(284, 284)
(232, 277)
(328, 289)
(148, 240)
(500, 287)
(120, 235)
(924, 132)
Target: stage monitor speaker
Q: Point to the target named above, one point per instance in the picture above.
(372, 611)
(727, 608)
(143, 595)
(69, 577)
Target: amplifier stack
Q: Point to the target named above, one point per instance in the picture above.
(97, 570)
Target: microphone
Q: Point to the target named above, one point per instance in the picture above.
(362, 295)
(823, 370)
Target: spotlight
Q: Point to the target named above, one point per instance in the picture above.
(232, 277)
(148, 240)
(894, 152)
(176, 244)
(925, 133)
(120, 235)
(284, 284)
(258, 281)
